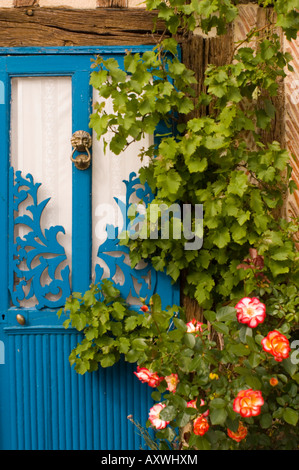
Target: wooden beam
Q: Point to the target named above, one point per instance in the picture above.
(112, 3)
(37, 27)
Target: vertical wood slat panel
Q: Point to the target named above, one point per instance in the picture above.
(54, 408)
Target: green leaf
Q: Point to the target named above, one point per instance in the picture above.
(156, 305)
(253, 382)
(209, 315)
(79, 321)
(238, 349)
(189, 340)
(131, 322)
(289, 366)
(81, 367)
(183, 419)
(168, 413)
(218, 416)
(124, 345)
(290, 416)
(254, 360)
(98, 78)
(132, 355)
(139, 344)
(202, 443)
(221, 328)
(156, 395)
(118, 311)
(263, 120)
(108, 360)
(233, 425)
(217, 403)
(215, 143)
(180, 324)
(221, 238)
(244, 333)
(196, 164)
(266, 420)
(99, 123)
(238, 183)
(172, 180)
(226, 314)
(243, 370)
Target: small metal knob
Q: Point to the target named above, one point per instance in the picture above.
(20, 319)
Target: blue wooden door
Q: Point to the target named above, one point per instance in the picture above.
(44, 404)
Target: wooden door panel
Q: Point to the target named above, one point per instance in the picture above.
(45, 404)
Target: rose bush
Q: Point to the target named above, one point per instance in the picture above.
(204, 404)
(239, 393)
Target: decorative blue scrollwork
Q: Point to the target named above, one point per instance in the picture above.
(37, 252)
(137, 282)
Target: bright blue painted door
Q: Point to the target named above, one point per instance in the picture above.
(44, 404)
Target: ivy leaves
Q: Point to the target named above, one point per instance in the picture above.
(111, 328)
(142, 96)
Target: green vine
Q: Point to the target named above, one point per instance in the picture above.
(220, 161)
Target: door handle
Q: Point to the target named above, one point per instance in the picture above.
(81, 142)
(20, 319)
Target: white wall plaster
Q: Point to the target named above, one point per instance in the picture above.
(6, 3)
(84, 4)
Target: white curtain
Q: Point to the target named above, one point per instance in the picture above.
(41, 129)
(108, 172)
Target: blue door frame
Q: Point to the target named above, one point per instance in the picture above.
(44, 404)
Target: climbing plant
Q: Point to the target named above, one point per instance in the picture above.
(230, 380)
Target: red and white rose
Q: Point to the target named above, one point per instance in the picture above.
(172, 380)
(154, 416)
(240, 434)
(250, 311)
(193, 326)
(146, 376)
(276, 344)
(200, 425)
(248, 403)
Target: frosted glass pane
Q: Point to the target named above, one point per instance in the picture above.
(41, 129)
(108, 172)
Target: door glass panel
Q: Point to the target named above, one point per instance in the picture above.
(41, 128)
(110, 173)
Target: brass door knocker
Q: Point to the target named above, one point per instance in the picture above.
(81, 142)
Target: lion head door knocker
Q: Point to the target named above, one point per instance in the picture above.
(81, 142)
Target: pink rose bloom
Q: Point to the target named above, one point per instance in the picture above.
(193, 326)
(172, 381)
(154, 416)
(248, 403)
(145, 376)
(250, 311)
(276, 344)
(192, 404)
